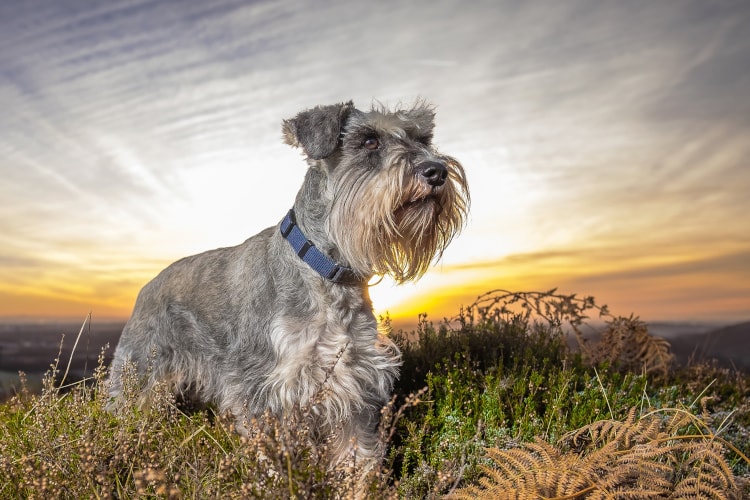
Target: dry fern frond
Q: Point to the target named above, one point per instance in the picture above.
(655, 455)
(630, 431)
(536, 470)
(625, 341)
(551, 307)
(628, 343)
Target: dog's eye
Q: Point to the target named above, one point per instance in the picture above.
(371, 143)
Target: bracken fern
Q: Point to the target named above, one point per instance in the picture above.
(670, 453)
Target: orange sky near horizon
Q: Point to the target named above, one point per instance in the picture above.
(606, 145)
(643, 290)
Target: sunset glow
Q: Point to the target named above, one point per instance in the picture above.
(606, 145)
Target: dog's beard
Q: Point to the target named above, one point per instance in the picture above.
(393, 223)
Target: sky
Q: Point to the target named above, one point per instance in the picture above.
(606, 143)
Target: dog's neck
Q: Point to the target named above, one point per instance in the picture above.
(317, 260)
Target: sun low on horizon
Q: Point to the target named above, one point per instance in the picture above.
(606, 146)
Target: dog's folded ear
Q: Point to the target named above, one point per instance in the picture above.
(317, 130)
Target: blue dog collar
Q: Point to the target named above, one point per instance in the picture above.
(308, 252)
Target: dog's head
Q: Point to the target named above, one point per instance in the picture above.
(392, 202)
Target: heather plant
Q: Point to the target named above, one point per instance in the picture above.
(490, 402)
(64, 443)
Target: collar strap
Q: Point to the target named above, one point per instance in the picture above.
(308, 252)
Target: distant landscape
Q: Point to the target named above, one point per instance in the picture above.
(32, 347)
(729, 345)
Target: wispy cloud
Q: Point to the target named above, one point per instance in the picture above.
(139, 131)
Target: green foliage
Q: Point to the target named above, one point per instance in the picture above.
(489, 397)
(499, 375)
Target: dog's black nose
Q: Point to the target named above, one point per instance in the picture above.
(433, 172)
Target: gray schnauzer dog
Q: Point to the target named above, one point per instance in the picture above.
(286, 317)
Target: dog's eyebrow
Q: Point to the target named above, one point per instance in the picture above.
(398, 133)
(362, 131)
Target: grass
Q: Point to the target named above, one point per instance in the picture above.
(491, 403)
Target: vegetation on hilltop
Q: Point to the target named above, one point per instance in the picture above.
(491, 403)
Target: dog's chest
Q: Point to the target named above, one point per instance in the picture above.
(333, 351)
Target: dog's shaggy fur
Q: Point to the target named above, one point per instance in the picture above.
(254, 327)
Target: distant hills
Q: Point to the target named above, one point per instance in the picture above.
(729, 345)
(32, 347)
